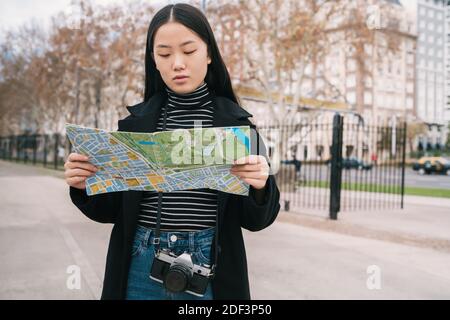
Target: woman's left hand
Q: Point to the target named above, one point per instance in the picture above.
(252, 169)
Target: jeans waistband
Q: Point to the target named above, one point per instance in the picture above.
(201, 236)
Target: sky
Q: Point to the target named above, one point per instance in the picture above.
(13, 13)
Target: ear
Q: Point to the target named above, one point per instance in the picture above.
(209, 60)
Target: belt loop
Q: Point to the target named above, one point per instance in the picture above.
(192, 240)
(145, 240)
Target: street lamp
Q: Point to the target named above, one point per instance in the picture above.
(203, 6)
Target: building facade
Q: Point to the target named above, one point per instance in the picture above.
(433, 106)
(447, 63)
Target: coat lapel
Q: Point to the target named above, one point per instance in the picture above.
(143, 116)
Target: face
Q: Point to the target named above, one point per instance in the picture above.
(178, 51)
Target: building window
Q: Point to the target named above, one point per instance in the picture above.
(421, 75)
(368, 81)
(409, 103)
(351, 81)
(422, 91)
(351, 97)
(409, 87)
(410, 73)
(368, 97)
(351, 65)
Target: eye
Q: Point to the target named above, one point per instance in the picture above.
(164, 55)
(190, 52)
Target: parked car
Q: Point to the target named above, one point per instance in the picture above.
(428, 165)
(353, 163)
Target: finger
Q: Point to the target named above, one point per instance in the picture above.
(255, 183)
(252, 175)
(246, 167)
(251, 159)
(77, 157)
(81, 165)
(78, 172)
(75, 180)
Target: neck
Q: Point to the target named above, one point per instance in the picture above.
(193, 99)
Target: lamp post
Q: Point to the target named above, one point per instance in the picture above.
(203, 5)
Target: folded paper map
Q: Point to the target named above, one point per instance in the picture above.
(162, 161)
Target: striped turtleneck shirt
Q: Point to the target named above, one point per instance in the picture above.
(186, 210)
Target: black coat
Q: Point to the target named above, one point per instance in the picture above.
(234, 211)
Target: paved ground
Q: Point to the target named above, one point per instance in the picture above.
(301, 256)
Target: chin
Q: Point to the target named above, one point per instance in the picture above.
(183, 88)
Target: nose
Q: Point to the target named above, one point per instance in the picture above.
(178, 62)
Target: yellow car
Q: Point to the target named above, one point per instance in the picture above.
(428, 165)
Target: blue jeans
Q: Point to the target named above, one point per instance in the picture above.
(141, 286)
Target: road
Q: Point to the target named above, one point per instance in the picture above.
(379, 175)
(43, 237)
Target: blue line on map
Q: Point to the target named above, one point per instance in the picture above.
(148, 142)
(242, 137)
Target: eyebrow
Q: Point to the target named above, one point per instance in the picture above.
(167, 46)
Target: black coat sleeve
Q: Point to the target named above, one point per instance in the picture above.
(257, 216)
(103, 208)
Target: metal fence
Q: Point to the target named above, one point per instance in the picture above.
(47, 150)
(329, 164)
(338, 164)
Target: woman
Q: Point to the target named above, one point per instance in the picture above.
(186, 83)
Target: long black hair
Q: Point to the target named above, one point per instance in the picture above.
(217, 76)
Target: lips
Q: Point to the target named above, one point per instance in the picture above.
(180, 77)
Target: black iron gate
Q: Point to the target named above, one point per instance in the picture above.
(50, 150)
(338, 163)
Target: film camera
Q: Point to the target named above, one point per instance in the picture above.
(179, 273)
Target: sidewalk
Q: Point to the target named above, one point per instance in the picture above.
(301, 256)
(422, 225)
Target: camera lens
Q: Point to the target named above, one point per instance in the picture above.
(177, 278)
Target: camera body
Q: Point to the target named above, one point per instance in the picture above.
(179, 273)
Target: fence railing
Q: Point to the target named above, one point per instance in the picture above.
(48, 150)
(339, 164)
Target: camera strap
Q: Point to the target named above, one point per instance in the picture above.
(157, 237)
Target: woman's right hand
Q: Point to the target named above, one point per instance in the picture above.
(78, 169)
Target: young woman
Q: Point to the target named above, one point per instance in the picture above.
(186, 82)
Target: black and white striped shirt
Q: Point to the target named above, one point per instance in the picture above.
(187, 210)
